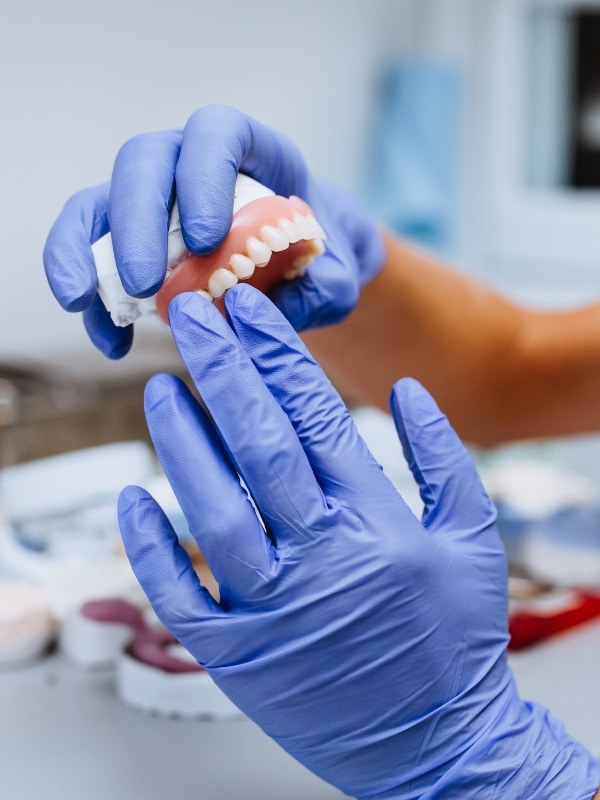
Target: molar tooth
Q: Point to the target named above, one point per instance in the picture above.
(319, 233)
(242, 266)
(276, 240)
(258, 251)
(302, 262)
(287, 227)
(317, 248)
(221, 280)
(296, 272)
(303, 225)
(206, 295)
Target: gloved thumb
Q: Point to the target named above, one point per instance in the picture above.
(454, 498)
(325, 295)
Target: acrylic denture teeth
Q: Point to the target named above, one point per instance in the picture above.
(290, 231)
(258, 251)
(206, 295)
(221, 280)
(242, 266)
(304, 226)
(275, 240)
(318, 232)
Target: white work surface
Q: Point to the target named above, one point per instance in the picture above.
(65, 736)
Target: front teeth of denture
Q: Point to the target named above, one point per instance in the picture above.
(206, 295)
(317, 230)
(303, 226)
(259, 252)
(289, 230)
(274, 238)
(242, 266)
(221, 280)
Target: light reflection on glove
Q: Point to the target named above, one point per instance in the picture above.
(202, 162)
(371, 646)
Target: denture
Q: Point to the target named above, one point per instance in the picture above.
(271, 239)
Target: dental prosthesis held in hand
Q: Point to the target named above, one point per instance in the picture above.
(267, 230)
(200, 163)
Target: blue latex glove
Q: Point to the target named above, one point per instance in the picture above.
(370, 645)
(202, 161)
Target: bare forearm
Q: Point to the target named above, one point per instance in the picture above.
(499, 371)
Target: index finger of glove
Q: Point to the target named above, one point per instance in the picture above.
(339, 457)
(216, 507)
(256, 432)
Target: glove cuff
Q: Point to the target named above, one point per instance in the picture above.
(527, 754)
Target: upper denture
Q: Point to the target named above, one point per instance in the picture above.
(276, 231)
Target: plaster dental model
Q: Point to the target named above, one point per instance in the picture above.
(27, 625)
(268, 231)
(154, 673)
(94, 635)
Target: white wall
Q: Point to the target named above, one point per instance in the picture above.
(538, 244)
(79, 78)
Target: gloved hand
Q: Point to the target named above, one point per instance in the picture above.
(370, 645)
(202, 163)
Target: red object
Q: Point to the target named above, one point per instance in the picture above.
(535, 622)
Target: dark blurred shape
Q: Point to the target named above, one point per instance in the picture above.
(585, 139)
(43, 413)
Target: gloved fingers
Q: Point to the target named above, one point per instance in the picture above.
(454, 498)
(339, 457)
(366, 241)
(164, 570)
(324, 295)
(68, 259)
(255, 431)
(220, 515)
(141, 195)
(218, 142)
(111, 340)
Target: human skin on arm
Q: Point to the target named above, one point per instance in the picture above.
(500, 371)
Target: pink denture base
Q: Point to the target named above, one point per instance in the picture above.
(192, 273)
